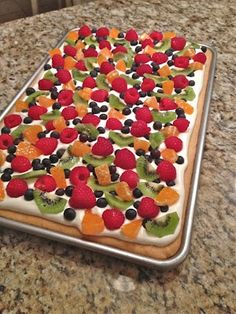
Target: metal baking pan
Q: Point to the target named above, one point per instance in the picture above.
(135, 258)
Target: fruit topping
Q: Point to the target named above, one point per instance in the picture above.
(162, 226)
(130, 177)
(167, 196)
(123, 191)
(12, 120)
(139, 128)
(92, 224)
(113, 218)
(147, 208)
(103, 174)
(49, 203)
(174, 142)
(145, 170)
(16, 187)
(102, 147)
(166, 171)
(181, 124)
(46, 145)
(125, 159)
(78, 199)
(45, 183)
(58, 174)
(20, 164)
(131, 229)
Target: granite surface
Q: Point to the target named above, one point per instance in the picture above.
(40, 276)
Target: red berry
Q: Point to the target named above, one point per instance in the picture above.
(181, 62)
(45, 183)
(57, 61)
(166, 171)
(167, 104)
(68, 135)
(89, 82)
(174, 142)
(80, 66)
(12, 120)
(6, 140)
(106, 67)
(181, 124)
(79, 174)
(45, 84)
(113, 218)
(159, 57)
(131, 96)
(147, 85)
(178, 43)
(16, 187)
(63, 76)
(49, 125)
(84, 31)
(69, 113)
(82, 197)
(144, 114)
(125, 159)
(65, 97)
(91, 118)
(180, 81)
(99, 95)
(200, 57)
(119, 84)
(147, 208)
(156, 36)
(131, 35)
(130, 177)
(144, 68)
(119, 48)
(147, 42)
(113, 124)
(102, 147)
(36, 111)
(47, 145)
(142, 58)
(104, 44)
(70, 51)
(102, 32)
(90, 52)
(139, 128)
(20, 164)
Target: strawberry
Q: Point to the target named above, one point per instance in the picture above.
(147, 208)
(36, 111)
(99, 95)
(159, 57)
(147, 42)
(125, 159)
(139, 128)
(144, 114)
(119, 84)
(47, 145)
(200, 57)
(89, 82)
(65, 97)
(142, 58)
(131, 35)
(20, 164)
(84, 31)
(178, 43)
(49, 125)
(167, 104)
(181, 124)
(90, 52)
(104, 44)
(91, 118)
(80, 65)
(180, 81)
(68, 135)
(113, 218)
(69, 112)
(12, 120)
(82, 197)
(106, 67)
(181, 62)
(45, 183)
(16, 187)
(131, 96)
(45, 84)
(57, 61)
(119, 48)
(102, 32)
(70, 50)
(6, 140)
(130, 177)
(102, 147)
(166, 171)
(156, 35)
(144, 68)
(63, 76)
(174, 142)
(113, 124)
(79, 174)
(147, 85)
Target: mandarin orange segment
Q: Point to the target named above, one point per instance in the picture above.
(169, 154)
(131, 230)
(79, 55)
(92, 224)
(79, 149)
(69, 85)
(59, 124)
(167, 196)
(100, 59)
(168, 87)
(106, 53)
(103, 174)
(55, 51)
(144, 36)
(169, 35)
(189, 53)
(31, 133)
(114, 32)
(85, 93)
(123, 191)
(196, 65)
(120, 65)
(79, 45)
(164, 71)
(170, 130)
(2, 191)
(113, 113)
(27, 150)
(45, 101)
(21, 105)
(152, 102)
(2, 158)
(184, 105)
(141, 144)
(69, 63)
(59, 175)
(73, 35)
(82, 110)
(149, 50)
(112, 75)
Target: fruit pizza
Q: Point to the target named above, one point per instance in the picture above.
(102, 145)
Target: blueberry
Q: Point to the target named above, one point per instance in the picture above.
(10, 157)
(142, 94)
(125, 129)
(136, 204)
(47, 67)
(103, 116)
(101, 202)
(11, 149)
(135, 76)
(103, 108)
(191, 74)
(203, 48)
(139, 102)
(157, 125)
(157, 180)
(181, 116)
(137, 193)
(126, 111)
(138, 49)
(38, 166)
(60, 192)
(17, 141)
(29, 195)
(91, 138)
(128, 122)
(76, 121)
(179, 111)
(54, 94)
(90, 167)
(93, 73)
(140, 152)
(55, 134)
(27, 120)
(170, 63)
(101, 130)
(112, 169)
(32, 104)
(136, 86)
(83, 137)
(98, 193)
(60, 152)
(133, 42)
(41, 134)
(69, 214)
(178, 90)
(67, 173)
(131, 213)
(95, 109)
(191, 83)
(170, 183)
(53, 158)
(69, 190)
(5, 130)
(180, 160)
(169, 52)
(121, 35)
(128, 71)
(135, 109)
(29, 91)
(46, 162)
(5, 177)
(8, 170)
(114, 177)
(56, 106)
(155, 153)
(122, 95)
(164, 209)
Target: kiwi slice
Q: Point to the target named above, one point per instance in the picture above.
(163, 117)
(129, 80)
(78, 75)
(68, 161)
(121, 140)
(187, 94)
(145, 169)
(95, 186)
(127, 57)
(91, 40)
(19, 130)
(31, 174)
(150, 189)
(78, 100)
(156, 139)
(101, 82)
(50, 76)
(88, 129)
(162, 95)
(97, 161)
(163, 226)
(157, 79)
(50, 116)
(187, 71)
(116, 202)
(49, 203)
(34, 95)
(165, 45)
(89, 63)
(116, 103)
(189, 46)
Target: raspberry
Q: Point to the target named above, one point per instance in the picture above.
(80, 65)
(181, 62)
(181, 124)
(106, 67)
(166, 171)
(36, 111)
(131, 35)
(139, 128)
(180, 81)
(47, 145)
(144, 114)
(12, 120)
(156, 36)
(16, 187)
(45, 84)
(102, 147)
(178, 43)
(200, 57)
(99, 95)
(130, 177)
(6, 140)
(68, 135)
(131, 96)
(65, 97)
(159, 57)
(144, 68)
(174, 142)
(90, 52)
(167, 104)
(125, 159)
(102, 32)
(142, 58)
(89, 82)
(113, 124)
(70, 51)
(63, 76)
(104, 44)
(84, 31)
(113, 218)
(82, 197)
(49, 125)
(119, 84)
(79, 174)
(20, 164)
(45, 183)
(147, 85)
(147, 208)
(147, 42)
(91, 118)
(57, 61)
(119, 48)
(69, 113)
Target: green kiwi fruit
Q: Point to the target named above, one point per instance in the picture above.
(105, 188)
(88, 129)
(97, 161)
(78, 75)
(101, 82)
(67, 162)
(155, 78)
(145, 170)
(49, 203)
(129, 80)
(34, 95)
(78, 100)
(31, 174)
(19, 130)
(187, 94)
(121, 140)
(51, 115)
(150, 189)
(116, 103)
(187, 71)
(116, 202)
(50, 76)
(163, 117)
(89, 63)
(165, 45)
(156, 139)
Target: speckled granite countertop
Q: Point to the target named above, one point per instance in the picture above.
(40, 276)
